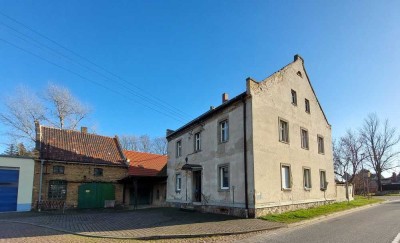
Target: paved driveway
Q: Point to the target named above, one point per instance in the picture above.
(141, 224)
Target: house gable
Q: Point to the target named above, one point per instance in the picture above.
(291, 73)
(56, 144)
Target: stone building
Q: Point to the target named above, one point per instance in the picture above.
(266, 150)
(77, 169)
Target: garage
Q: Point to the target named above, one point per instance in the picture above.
(8, 189)
(16, 183)
(96, 195)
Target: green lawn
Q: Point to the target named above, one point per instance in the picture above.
(303, 214)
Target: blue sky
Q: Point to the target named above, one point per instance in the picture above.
(187, 53)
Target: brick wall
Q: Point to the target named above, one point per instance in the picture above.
(75, 175)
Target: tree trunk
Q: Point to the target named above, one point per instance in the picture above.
(379, 176)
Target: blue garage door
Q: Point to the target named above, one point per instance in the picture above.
(8, 189)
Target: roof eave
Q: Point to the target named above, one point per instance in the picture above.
(207, 114)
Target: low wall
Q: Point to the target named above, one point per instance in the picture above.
(341, 192)
(233, 211)
(290, 207)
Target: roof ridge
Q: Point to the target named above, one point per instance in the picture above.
(77, 131)
(126, 150)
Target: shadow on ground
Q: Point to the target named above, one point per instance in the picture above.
(139, 224)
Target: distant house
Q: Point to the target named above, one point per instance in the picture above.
(77, 169)
(266, 150)
(146, 180)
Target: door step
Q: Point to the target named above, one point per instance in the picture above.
(187, 208)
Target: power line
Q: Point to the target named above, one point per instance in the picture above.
(83, 77)
(87, 60)
(42, 46)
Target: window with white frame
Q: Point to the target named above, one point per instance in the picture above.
(283, 131)
(224, 131)
(322, 178)
(285, 176)
(197, 142)
(321, 148)
(179, 148)
(224, 177)
(307, 105)
(304, 138)
(178, 182)
(307, 178)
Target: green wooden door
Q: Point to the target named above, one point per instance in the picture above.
(93, 195)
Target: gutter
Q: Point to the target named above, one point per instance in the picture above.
(246, 196)
(40, 183)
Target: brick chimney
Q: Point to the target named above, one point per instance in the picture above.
(298, 57)
(169, 131)
(38, 135)
(225, 97)
(83, 129)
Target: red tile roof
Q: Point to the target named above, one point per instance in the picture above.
(74, 146)
(146, 164)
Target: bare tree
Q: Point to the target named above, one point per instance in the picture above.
(144, 143)
(129, 142)
(58, 108)
(379, 143)
(160, 145)
(21, 111)
(67, 110)
(353, 152)
(341, 163)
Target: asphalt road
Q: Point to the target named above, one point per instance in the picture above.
(376, 224)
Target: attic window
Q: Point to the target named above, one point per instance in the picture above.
(299, 74)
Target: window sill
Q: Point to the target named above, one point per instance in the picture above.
(223, 190)
(321, 153)
(177, 191)
(294, 104)
(222, 142)
(287, 189)
(307, 189)
(323, 189)
(305, 148)
(284, 142)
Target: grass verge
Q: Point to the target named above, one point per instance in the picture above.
(303, 214)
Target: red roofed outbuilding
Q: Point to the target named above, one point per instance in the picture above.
(146, 180)
(77, 169)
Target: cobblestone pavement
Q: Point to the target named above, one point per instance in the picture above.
(140, 224)
(17, 232)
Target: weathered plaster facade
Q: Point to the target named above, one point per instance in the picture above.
(266, 102)
(212, 155)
